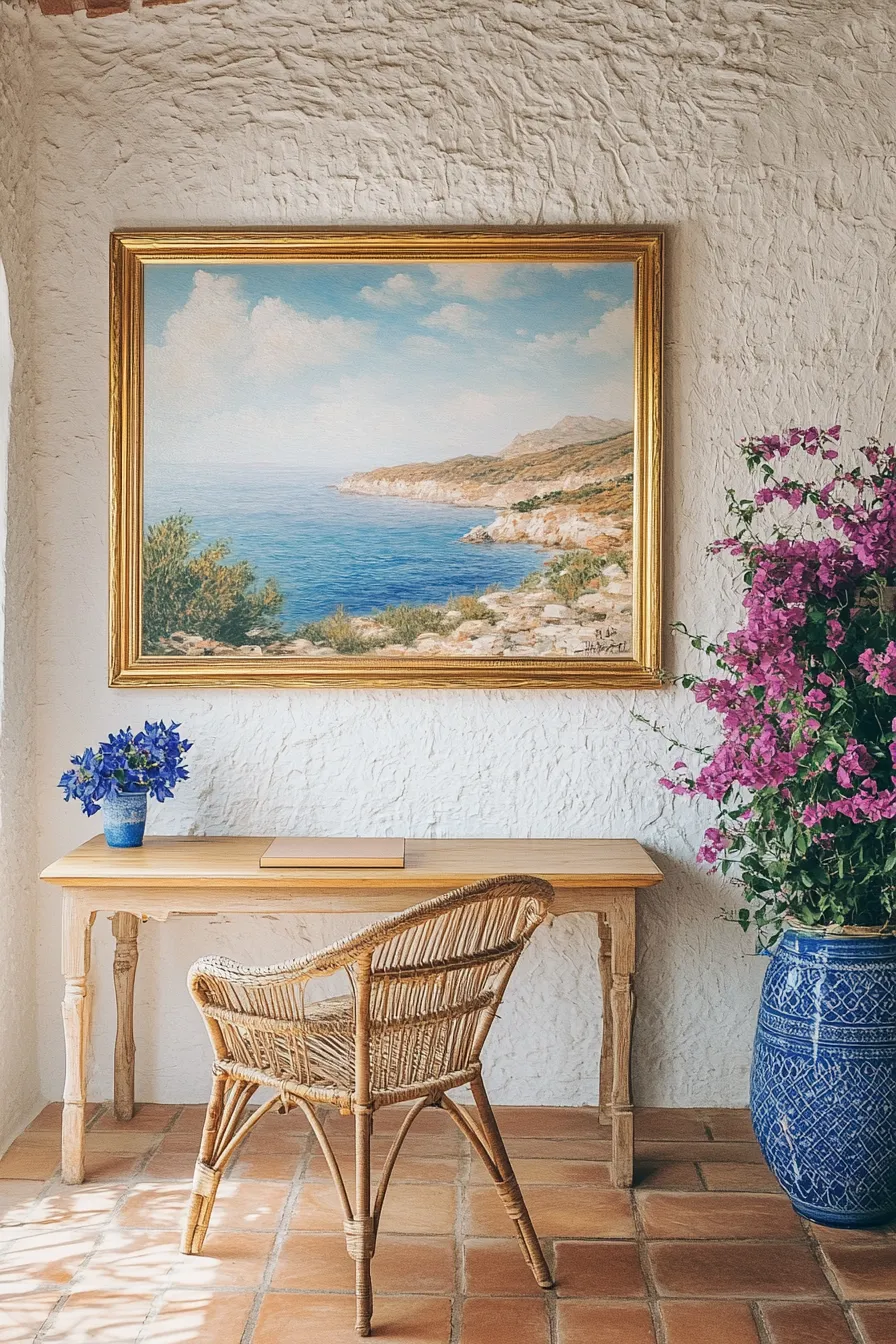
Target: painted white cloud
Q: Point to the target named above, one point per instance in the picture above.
(458, 318)
(283, 340)
(216, 341)
(613, 335)
(422, 345)
(476, 280)
(398, 290)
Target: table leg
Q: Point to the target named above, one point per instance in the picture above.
(622, 996)
(605, 1086)
(124, 929)
(76, 926)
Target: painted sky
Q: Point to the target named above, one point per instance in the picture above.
(344, 367)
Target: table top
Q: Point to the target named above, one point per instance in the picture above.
(232, 861)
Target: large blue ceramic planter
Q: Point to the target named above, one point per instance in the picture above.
(124, 819)
(823, 1087)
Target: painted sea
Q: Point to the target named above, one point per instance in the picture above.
(327, 549)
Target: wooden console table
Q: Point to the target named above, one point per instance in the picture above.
(211, 875)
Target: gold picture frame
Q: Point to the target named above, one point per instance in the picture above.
(134, 252)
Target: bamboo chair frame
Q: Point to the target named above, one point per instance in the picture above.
(425, 987)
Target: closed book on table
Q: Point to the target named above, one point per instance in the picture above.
(317, 852)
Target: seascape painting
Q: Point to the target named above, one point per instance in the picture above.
(417, 460)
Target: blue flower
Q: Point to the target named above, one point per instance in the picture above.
(149, 761)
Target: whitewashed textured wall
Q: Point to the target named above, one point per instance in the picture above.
(19, 1088)
(759, 134)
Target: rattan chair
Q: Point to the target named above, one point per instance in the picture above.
(424, 990)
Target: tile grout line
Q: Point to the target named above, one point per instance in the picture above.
(102, 1228)
(651, 1293)
(461, 1185)
(303, 1159)
(818, 1251)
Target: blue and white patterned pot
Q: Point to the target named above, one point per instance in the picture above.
(124, 819)
(823, 1086)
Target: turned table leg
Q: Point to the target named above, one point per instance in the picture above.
(124, 929)
(605, 1085)
(622, 998)
(76, 926)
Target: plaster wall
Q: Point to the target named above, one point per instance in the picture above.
(19, 1086)
(759, 135)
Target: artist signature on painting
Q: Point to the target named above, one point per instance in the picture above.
(607, 646)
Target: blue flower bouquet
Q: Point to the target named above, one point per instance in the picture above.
(121, 773)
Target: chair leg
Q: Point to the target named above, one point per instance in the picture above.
(225, 1109)
(509, 1190)
(360, 1233)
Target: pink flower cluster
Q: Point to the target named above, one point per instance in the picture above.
(791, 684)
(881, 668)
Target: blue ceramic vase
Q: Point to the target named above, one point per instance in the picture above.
(823, 1086)
(124, 819)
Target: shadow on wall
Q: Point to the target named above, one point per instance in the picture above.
(684, 1002)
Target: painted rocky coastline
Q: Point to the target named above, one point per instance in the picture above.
(526, 622)
(557, 489)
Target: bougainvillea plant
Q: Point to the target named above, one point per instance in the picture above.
(805, 774)
(149, 761)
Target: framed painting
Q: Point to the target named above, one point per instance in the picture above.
(394, 457)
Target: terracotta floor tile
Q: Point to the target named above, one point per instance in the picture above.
(704, 1269)
(679, 1126)
(877, 1321)
(429, 1170)
(556, 1211)
(250, 1206)
(852, 1236)
(717, 1216)
(44, 1255)
(98, 1318)
(605, 1323)
(319, 1262)
(495, 1268)
(148, 1116)
(306, 1319)
(122, 1140)
(260, 1144)
(50, 1118)
(228, 1260)
(664, 1150)
(423, 1210)
(76, 1205)
(490, 1320)
(190, 1121)
(739, 1176)
(709, 1323)
(22, 1316)
(103, 1167)
(806, 1323)
(169, 1166)
(865, 1273)
(17, 1199)
(599, 1269)
(129, 1260)
(729, 1123)
(391, 1118)
(568, 1150)
(548, 1171)
(265, 1167)
(667, 1176)
(26, 1162)
(190, 1317)
(550, 1122)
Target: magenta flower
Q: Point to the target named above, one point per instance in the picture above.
(804, 776)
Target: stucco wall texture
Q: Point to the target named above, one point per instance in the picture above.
(759, 135)
(19, 1087)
